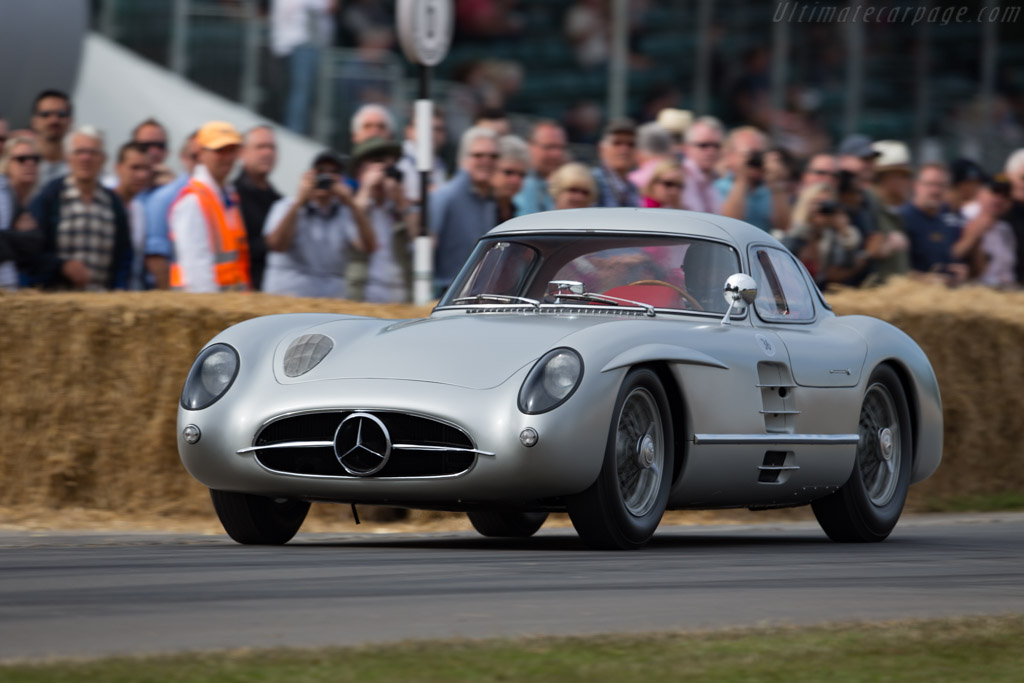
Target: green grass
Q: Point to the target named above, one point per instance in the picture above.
(982, 502)
(968, 649)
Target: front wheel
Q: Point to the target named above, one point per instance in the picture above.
(257, 520)
(869, 504)
(622, 509)
(501, 524)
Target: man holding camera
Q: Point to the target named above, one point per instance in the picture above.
(308, 240)
(756, 187)
(382, 275)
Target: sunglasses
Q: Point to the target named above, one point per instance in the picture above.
(578, 190)
(670, 183)
(624, 143)
(50, 113)
(707, 145)
(26, 158)
(484, 155)
(818, 171)
(515, 172)
(155, 144)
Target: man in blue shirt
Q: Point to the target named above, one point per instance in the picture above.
(158, 247)
(756, 188)
(462, 209)
(547, 154)
(938, 243)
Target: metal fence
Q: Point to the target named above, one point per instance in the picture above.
(939, 85)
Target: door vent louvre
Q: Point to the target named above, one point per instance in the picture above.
(778, 402)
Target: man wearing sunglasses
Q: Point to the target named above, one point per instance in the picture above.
(151, 137)
(703, 152)
(51, 120)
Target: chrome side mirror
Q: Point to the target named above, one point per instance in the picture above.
(740, 289)
(557, 287)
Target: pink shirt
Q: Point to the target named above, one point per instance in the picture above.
(699, 193)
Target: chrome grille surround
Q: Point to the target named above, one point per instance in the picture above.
(303, 444)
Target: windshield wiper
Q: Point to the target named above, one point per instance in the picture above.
(604, 298)
(500, 298)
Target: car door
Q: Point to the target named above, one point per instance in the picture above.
(823, 351)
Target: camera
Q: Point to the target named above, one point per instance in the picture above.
(847, 182)
(1000, 185)
(394, 173)
(756, 160)
(828, 207)
(324, 181)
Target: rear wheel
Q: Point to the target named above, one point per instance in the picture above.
(868, 506)
(501, 524)
(622, 509)
(257, 520)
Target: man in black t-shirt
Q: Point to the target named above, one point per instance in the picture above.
(256, 195)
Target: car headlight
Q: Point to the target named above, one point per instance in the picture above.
(551, 381)
(211, 376)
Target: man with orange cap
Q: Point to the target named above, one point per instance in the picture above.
(211, 251)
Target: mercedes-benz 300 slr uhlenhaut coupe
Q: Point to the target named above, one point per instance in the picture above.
(611, 363)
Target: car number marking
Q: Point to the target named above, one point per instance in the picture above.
(766, 345)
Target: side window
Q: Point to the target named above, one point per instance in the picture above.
(782, 293)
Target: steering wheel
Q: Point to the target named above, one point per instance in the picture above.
(682, 292)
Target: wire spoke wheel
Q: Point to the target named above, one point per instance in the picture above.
(867, 507)
(879, 451)
(639, 452)
(622, 508)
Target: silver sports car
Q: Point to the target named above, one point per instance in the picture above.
(612, 363)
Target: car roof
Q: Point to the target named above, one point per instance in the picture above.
(670, 221)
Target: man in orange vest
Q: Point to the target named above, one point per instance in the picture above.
(211, 252)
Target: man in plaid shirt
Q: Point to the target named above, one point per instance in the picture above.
(87, 243)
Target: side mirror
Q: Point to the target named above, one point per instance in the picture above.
(740, 289)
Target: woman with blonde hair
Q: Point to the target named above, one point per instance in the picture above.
(822, 237)
(572, 186)
(665, 188)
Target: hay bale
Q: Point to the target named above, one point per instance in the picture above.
(89, 385)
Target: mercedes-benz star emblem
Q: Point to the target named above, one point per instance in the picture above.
(362, 444)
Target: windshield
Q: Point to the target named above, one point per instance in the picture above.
(664, 272)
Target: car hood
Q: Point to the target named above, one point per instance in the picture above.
(477, 352)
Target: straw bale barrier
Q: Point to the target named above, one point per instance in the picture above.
(89, 385)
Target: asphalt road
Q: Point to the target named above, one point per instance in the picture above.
(95, 594)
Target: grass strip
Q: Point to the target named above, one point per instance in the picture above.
(960, 649)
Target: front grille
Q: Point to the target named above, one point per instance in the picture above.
(404, 430)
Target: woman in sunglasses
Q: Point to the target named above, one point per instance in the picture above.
(665, 188)
(20, 239)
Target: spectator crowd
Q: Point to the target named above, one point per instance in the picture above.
(856, 215)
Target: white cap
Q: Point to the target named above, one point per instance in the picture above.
(675, 121)
(893, 155)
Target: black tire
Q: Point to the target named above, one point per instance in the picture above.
(868, 506)
(623, 507)
(501, 524)
(256, 520)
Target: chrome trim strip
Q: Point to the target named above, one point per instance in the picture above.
(778, 468)
(780, 412)
(782, 439)
(452, 449)
(330, 444)
(288, 444)
(344, 477)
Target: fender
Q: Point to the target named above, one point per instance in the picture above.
(666, 352)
